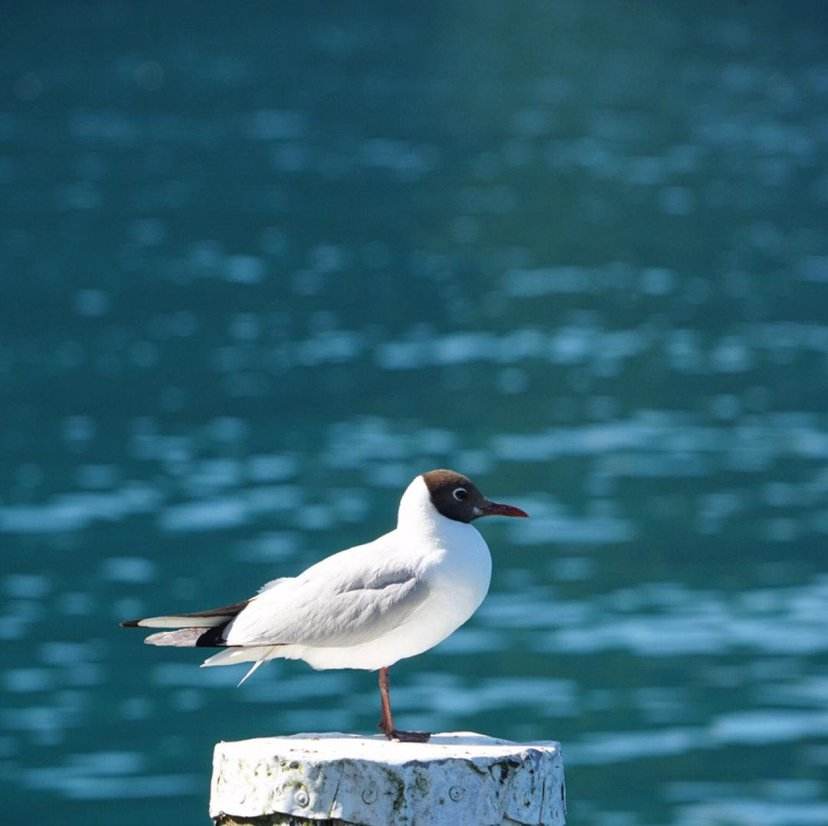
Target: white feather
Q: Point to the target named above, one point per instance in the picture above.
(173, 621)
(256, 665)
(235, 656)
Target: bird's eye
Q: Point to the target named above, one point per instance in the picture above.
(460, 494)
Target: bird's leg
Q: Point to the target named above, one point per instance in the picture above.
(386, 722)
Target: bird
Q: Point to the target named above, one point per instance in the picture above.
(366, 607)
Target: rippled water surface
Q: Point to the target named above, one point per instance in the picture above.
(262, 264)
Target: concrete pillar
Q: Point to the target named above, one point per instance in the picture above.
(458, 779)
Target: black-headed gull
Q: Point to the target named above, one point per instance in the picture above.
(365, 607)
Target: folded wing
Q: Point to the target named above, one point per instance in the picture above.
(347, 599)
(324, 608)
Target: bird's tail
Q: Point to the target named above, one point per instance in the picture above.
(199, 629)
(206, 629)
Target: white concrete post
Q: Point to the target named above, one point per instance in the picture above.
(459, 779)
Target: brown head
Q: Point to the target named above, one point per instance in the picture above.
(456, 497)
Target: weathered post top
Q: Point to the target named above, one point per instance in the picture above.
(462, 779)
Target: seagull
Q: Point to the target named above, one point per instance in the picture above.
(366, 607)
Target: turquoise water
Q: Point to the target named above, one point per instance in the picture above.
(262, 264)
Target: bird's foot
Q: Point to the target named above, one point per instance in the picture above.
(408, 736)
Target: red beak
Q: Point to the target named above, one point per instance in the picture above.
(495, 509)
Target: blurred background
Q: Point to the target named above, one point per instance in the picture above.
(263, 263)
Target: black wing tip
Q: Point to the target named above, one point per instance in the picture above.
(226, 613)
(212, 637)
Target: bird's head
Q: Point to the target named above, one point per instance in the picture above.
(456, 497)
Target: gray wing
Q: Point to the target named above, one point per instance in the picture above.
(340, 602)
